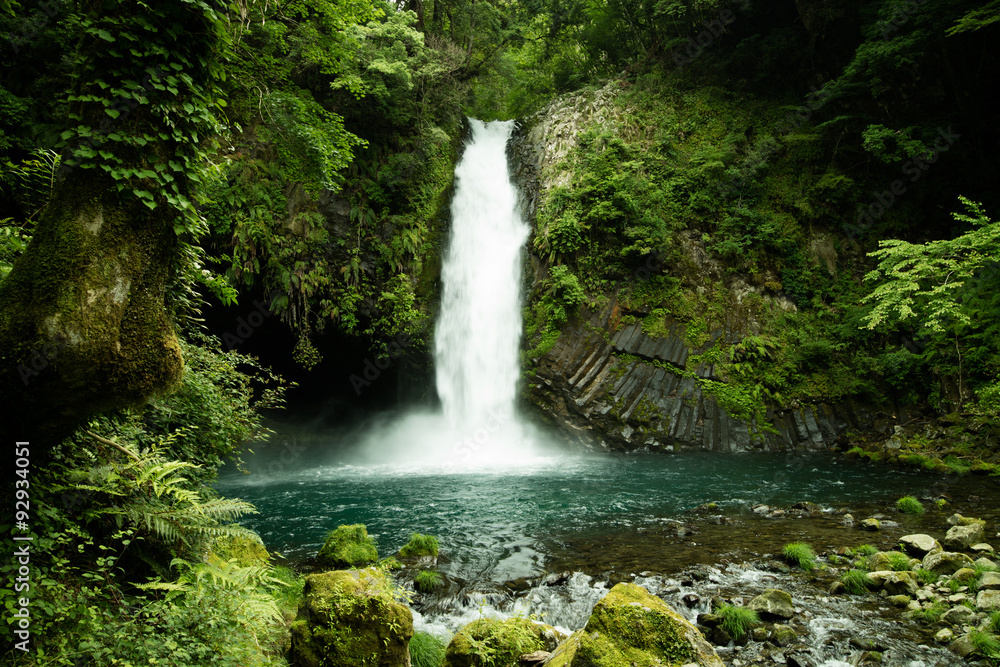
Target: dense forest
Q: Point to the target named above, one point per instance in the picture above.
(174, 174)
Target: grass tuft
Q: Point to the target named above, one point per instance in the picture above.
(926, 576)
(426, 581)
(857, 582)
(985, 643)
(737, 621)
(909, 505)
(866, 550)
(801, 554)
(899, 561)
(420, 545)
(426, 650)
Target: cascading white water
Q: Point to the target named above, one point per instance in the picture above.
(479, 330)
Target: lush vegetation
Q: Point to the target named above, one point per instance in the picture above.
(420, 545)
(737, 621)
(801, 554)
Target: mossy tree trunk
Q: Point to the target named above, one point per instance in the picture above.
(83, 321)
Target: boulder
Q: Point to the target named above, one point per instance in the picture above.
(503, 641)
(959, 520)
(945, 562)
(988, 600)
(944, 635)
(982, 548)
(984, 563)
(919, 544)
(895, 583)
(774, 603)
(783, 635)
(959, 615)
(631, 626)
(870, 524)
(963, 646)
(349, 618)
(901, 601)
(348, 546)
(963, 537)
(990, 581)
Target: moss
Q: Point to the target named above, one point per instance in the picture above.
(420, 545)
(348, 546)
(490, 642)
(240, 550)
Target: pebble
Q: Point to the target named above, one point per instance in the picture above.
(944, 635)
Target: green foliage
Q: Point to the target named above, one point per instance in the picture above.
(348, 546)
(909, 505)
(495, 643)
(986, 643)
(420, 545)
(899, 561)
(426, 650)
(926, 576)
(857, 582)
(737, 621)
(865, 550)
(427, 581)
(801, 554)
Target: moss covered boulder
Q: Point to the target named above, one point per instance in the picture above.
(630, 627)
(502, 642)
(351, 619)
(348, 546)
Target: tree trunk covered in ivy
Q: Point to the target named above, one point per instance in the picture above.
(83, 321)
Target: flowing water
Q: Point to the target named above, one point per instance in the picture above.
(509, 508)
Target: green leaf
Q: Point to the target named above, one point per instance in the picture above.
(105, 35)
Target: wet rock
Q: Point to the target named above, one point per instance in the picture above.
(919, 544)
(963, 537)
(774, 603)
(709, 620)
(985, 564)
(866, 644)
(759, 634)
(761, 509)
(945, 562)
(959, 615)
(879, 562)
(895, 583)
(506, 638)
(536, 659)
(944, 635)
(837, 588)
(783, 635)
(870, 524)
(848, 521)
(988, 600)
(901, 601)
(982, 548)
(369, 626)
(690, 600)
(631, 626)
(719, 637)
(962, 646)
(801, 660)
(990, 581)
(556, 578)
(955, 519)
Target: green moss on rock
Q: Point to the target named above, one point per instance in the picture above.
(631, 627)
(491, 642)
(351, 619)
(348, 546)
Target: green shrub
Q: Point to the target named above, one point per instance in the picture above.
(899, 561)
(420, 545)
(857, 582)
(390, 564)
(801, 554)
(926, 576)
(348, 546)
(427, 580)
(737, 621)
(931, 614)
(909, 505)
(426, 650)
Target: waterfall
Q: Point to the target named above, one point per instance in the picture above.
(478, 332)
(479, 329)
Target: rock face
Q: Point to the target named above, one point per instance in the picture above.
(348, 618)
(774, 603)
(506, 641)
(963, 537)
(632, 627)
(919, 545)
(607, 384)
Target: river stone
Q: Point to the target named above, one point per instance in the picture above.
(848, 521)
(988, 600)
(878, 562)
(773, 602)
(944, 635)
(963, 646)
(901, 601)
(919, 544)
(631, 626)
(982, 548)
(959, 615)
(348, 618)
(895, 583)
(945, 562)
(508, 640)
(870, 524)
(990, 581)
(963, 537)
(985, 564)
(783, 635)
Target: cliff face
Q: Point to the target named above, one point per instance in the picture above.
(607, 384)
